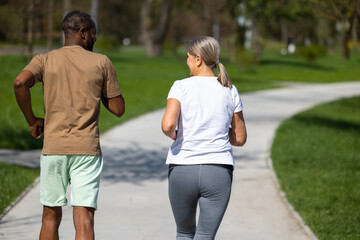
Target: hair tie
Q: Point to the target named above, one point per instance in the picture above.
(218, 63)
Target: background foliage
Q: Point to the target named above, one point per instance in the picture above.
(326, 23)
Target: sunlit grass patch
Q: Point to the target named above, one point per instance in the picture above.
(316, 156)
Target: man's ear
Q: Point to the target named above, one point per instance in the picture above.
(82, 33)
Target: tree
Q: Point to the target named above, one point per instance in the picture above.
(30, 29)
(50, 24)
(154, 20)
(66, 7)
(65, 10)
(282, 20)
(343, 12)
(246, 15)
(356, 25)
(94, 10)
(13, 23)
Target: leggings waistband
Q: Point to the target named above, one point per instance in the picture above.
(227, 166)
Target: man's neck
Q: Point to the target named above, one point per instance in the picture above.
(72, 42)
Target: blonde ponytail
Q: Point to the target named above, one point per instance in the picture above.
(209, 50)
(223, 76)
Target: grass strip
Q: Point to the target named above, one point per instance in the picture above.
(14, 179)
(316, 156)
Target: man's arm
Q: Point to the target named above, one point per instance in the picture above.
(22, 84)
(115, 105)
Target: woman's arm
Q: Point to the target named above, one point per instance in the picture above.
(237, 132)
(170, 119)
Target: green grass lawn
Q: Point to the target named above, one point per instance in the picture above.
(316, 155)
(332, 68)
(14, 180)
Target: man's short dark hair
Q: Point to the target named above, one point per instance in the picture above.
(75, 20)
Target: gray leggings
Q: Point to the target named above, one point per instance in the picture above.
(208, 185)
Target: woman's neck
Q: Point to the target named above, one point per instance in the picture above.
(204, 72)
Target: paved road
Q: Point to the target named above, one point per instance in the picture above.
(133, 202)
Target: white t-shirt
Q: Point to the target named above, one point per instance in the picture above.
(207, 109)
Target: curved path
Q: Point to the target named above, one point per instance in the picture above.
(133, 202)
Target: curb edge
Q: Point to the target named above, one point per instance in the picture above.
(19, 198)
(288, 205)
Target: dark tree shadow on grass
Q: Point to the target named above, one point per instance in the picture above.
(297, 64)
(340, 125)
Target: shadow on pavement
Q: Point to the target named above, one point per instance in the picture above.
(134, 165)
(138, 164)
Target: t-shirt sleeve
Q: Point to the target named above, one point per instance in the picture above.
(36, 67)
(111, 86)
(238, 106)
(175, 91)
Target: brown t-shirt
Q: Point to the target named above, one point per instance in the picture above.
(74, 80)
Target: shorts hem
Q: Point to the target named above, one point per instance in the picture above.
(84, 205)
(53, 204)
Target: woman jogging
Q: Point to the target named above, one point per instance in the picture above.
(204, 117)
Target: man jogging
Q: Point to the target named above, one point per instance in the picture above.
(74, 81)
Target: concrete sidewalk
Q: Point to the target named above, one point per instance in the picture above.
(133, 202)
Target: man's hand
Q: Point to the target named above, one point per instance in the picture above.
(37, 128)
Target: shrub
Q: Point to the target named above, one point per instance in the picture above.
(107, 43)
(312, 52)
(245, 60)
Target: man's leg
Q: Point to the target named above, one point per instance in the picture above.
(85, 181)
(53, 183)
(51, 219)
(84, 223)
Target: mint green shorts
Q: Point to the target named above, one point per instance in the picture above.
(81, 172)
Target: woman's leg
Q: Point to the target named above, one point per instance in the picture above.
(215, 189)
(183, 195)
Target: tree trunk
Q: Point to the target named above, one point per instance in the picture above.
(94, 10)
(216, 30)
(284, 31)
(146, 26)
(256, 44)
(356, 26)
(50, 25)
(153, 28)
(347, 38)
(354, 34)
(30, 29)
(66, 9)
